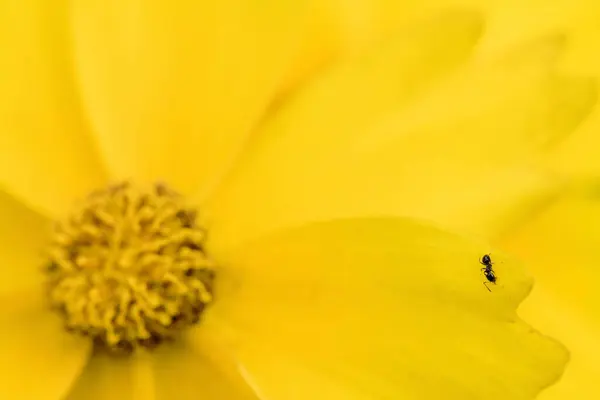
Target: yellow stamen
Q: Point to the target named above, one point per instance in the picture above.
(129, 268)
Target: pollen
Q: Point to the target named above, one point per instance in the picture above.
(129, 269)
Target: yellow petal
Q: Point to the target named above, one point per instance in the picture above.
(339, 106)
(47, 156)
(23, 234)
(580, 333)
(460, 155)
(40, 359)
(378, 308)
(202, 369)
(582, 16)
(182, 371)
(172, 89)
(514, 21)
(343, 28)
(560, 247)
(340, 29)
(115, 378)
(578, 156)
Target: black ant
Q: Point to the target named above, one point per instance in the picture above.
(488, 271)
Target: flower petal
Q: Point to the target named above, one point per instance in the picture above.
(580, 333)
(174, 88)
(115, 378)
(40, 359)
(201, 370)
(339, 106)
(560, 247)
(578, 156)
(582, 17)
(177, 370)
(514, 21)
(459, 155)
(340, 29)
(23, 233)
(378, 308)
(47, 155)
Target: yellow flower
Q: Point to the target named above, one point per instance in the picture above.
(311, 281)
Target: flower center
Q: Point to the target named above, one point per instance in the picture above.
(128, 268)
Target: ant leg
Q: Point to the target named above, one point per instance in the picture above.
(486, 286)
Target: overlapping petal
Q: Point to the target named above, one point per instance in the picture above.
(342, 29)
(578, 156)
(332, 110)
(184, 370)
(48, 157)
(512, 22)
(39, 360)
(173, 89)
(559, 240)
(560, 247)
(378, 308)
(31, 337)
(338, 30)
(460, 153)
(202, 366)
(108, 377)
(24, 233)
